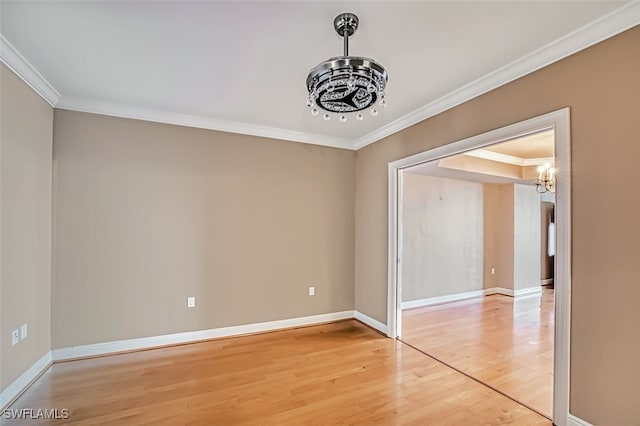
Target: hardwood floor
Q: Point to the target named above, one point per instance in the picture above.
(334, 374)
(505, 343)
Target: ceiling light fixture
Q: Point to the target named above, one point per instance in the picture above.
(546, 181)
(346, 84)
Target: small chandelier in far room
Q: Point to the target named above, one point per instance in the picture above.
(546, 181)
(346, 84)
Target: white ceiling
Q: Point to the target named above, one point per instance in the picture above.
(241, 66)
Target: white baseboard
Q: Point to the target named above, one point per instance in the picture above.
(430, 301)
(498, 290)
(576, 421)
(191, 336)
(371, 322)
(437, 300)
(19, 385)
(528, 291)
(517, 293)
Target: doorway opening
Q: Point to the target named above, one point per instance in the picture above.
(471, 258)
(473, 250)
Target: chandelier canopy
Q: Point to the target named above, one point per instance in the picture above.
(346, 84)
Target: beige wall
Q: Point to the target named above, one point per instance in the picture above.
(526, 237)
(26, 126)
(499, 206)
(442, 240)
(146, 214)
(512, 236)
(601, 85)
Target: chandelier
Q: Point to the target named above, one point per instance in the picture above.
(546, 181)
(346, 84)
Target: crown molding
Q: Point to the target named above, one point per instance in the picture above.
(508, 159)
(23, 69)
(167, 117)
(538, 161)
(607, 26)
(17, 63)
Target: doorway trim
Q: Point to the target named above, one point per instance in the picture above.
(559, 121)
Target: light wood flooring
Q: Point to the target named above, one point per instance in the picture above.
(505, 343)
(334, 374)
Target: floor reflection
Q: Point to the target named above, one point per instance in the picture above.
(504, 342)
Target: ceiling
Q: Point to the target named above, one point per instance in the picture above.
(241, 66)
(524, 152)
(538, 145)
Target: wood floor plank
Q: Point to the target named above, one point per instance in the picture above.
(334, 374)
(504, 342)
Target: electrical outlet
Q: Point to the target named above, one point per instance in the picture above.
(23, 331)
(312, 291)
(191, 302)
(15, 337)
(493, 271)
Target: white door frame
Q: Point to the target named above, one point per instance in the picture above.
(559, 121)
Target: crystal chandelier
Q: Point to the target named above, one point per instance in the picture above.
(346, 84)
(546, 181)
